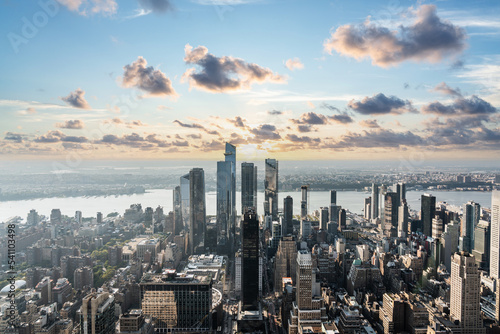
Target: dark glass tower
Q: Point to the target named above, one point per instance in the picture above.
(374, 205)
(271, 188)
(248, 186)
(197, 210)
(287, 216)
(391, 214)
(224, 200)
(333, 197)
(178, 225)
(427, 212)
(250, 261)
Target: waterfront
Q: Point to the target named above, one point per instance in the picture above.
(352, 200)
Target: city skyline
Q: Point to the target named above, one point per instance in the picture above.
(169, 80)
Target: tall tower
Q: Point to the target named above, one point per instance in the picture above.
(287, 216)
(177, 205)
(304, 280)
(250, 261)
(374, 204)
(333, 197)
(427, 212)
(464, 293)
(185, 207)
(271, 188)
(467, 227)
(303, 202)
(230, 156)
(495, 235)
(248, 186)
(391, 214)
(224, 201)
(197, 209)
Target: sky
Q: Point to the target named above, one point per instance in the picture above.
(293, 80)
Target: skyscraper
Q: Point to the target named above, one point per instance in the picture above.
(185, 207)
(342, 219)
(97, 314)
(224, 201)
(271, 188)
(197, 209)
(323, 218)
(374, 204)
(403, 218)
(287, 216)
(250, 261)
(467, 227)
(285, 263)
(465, 293)
(177, 206)
(230, 156)
(495, 235)
(427, 212)
(391, 214)
(303, 202)
(248, 186)
(333, 197)
(481, 251)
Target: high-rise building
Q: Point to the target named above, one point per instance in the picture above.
(481, 251)
(323, 218)
(33, 218)
(495, 235)
(285, 263)
(178, 225)
(437, 227)
(470, 219)
(391, 214)
(303, 202)
(177, 303)
(248, 186)
(403, 215)
(367, 208)
(287, 215)
(427, 212)
(99, 218)
(271, 189)
(465, 293)
(78, 217)
(185, 206)
(250, 260)
(97, 314)
(230, 156)
(224, 200)
(449, 240)
(374, 204)
(55, 216)
(333, 197)
(342, 219)
(197, 209)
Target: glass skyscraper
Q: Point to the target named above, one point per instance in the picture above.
(271, 188)
(197, 209)
(248, 186)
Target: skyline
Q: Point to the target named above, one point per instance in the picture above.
(284, 80)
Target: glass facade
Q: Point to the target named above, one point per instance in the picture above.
(271, 188)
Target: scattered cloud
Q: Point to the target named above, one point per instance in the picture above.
(274, 112)
(310, 118)
(265, 132)
(15, 137)
(342, 118)
(146, 78)
(381, 104)
(224, 74)
(156, 6)
(428, 38)
(461, 106)
(294, 64)
(77, 99)
(86, 7)
(369, 123)
(71, 124)
(443, 88)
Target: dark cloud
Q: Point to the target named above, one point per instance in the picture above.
(153, 138)
(180, 143)
(443, 88)
(186, 125)
(74, 139)
(274, 112)
(330, 107)
(147, 79)
(77, 99)
(213, 145)
(378, 138)
(157, 6)
(194, 136)
(406, 85)
(71, 124)
(342, 118)
(370, 123)
(311, 118)
(238, 122)
(461, 106)
(265, 132)
(380, 104)
(222, 74)
(15, 137)
(428, 38)
(304, 128)
(305, 139)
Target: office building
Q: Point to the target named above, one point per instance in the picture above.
(470, 219)
(342, 220)
(177, 303)
(465, 293)
(481, 251)
(427, 213)
(403, 215)
(323, 218)
(97, 314)
(271, 188)
(250, 261)
(78, 217)
(178, 225)
(224, 203)
(374, 204)
(303, 202)
(185, 206)
(287, 216)
(55, 216)
(391, 209)
(437, 227)
(333, 197)
(367, 208)
(62, 292)
(285, 262)
(248, 187)
(495, 235)
(33, 218)
(197, 210)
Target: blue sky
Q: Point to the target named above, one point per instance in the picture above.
(372, 79)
